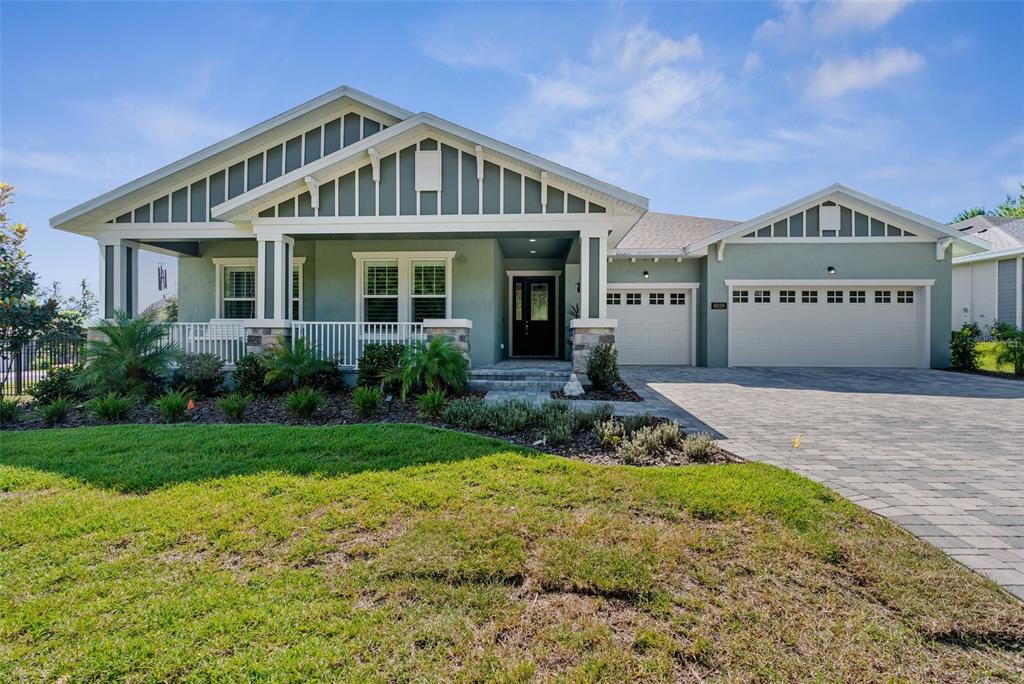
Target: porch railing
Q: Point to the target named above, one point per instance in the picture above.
(344, 340)
(225, 339)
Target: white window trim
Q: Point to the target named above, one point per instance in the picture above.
(404, 260)
(218, 290)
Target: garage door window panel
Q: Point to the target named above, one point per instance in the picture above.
(787, 297)
(883, 296)
(762, 297)
(858, 296)
(740, 296)
(677, 299)
(834, 296)
(904, 296)
(657, 298)
(809, 296)
(614, 298)
(633, 299)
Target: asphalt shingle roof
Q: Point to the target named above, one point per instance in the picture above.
(657, 231)
(1003, 232)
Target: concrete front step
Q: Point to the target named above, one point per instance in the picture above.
(515, 385)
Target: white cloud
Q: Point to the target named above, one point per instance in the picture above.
(836, 77)
(805, 24)
(752, 63)
(561, 93)
(847, 15)
(65, 164)
(642, 48)
(153, 120)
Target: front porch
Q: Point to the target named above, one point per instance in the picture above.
(506, 298)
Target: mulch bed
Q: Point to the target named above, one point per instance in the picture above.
(338, 411)
(620, 392)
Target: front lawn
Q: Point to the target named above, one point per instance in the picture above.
(397, 553)
(987, 358)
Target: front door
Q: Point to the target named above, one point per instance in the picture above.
(534, 319)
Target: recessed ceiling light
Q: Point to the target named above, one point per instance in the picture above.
(533, 251)
(533, 239)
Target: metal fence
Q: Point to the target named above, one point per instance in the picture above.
(31, 363)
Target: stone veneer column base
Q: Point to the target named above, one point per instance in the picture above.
(588, 333)
(261, 338)
(455, 329)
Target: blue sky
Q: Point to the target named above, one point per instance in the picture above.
(714, 109)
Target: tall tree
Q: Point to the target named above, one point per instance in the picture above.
(968, 213)
(22, 314)
(1013, 206)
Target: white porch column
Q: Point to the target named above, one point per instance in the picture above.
(119, 276)
(274, 278)
(584, 276)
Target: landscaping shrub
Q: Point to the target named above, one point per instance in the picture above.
(610, 433)
(110, 407)
(234, 404)
(586, 420)
(641, 420)
(559, 427)
(431, 404)
(366, 401)
(56, 411)
(131, 356)
(59, 382)
(250, 374)
(963, 347)
(1011, 346)
(512, 416)
(468, 412)
(700, 448)
(603, 367)
(304, 402)
(297, 365)
(203, 374)
(8, 411)
(378, 362)
(438, 364)
(173, 405)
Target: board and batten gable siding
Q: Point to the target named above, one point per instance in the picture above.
(1006, 291)
(502, 191)
(193, 201)
(875, 261)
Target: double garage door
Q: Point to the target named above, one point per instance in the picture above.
(653, 325)
(796, 325)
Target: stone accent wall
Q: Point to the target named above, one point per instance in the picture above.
(587, 334)
(457, 333)
(263, 338)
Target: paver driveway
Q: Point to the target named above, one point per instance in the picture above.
(940, 453)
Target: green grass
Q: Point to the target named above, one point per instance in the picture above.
(399, 553)
(987, 358)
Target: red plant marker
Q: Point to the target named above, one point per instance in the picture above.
(191, 405)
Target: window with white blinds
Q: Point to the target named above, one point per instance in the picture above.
(380, 291)
(239, 292)
(429, 293)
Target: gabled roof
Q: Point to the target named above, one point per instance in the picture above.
(327, 167)
(91, 208)
(657, 232)
(966, 244)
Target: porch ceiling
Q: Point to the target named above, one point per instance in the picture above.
(535, 247)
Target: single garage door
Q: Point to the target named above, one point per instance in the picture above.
(796, 325)
(653, 325)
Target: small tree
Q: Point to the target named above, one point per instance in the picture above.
(963, 347)
(1010, 349)
(22, 314)
(968, 213)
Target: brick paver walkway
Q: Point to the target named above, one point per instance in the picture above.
(940, 453)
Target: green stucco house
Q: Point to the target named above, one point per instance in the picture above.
(347, 220)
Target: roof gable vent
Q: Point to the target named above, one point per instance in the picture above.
(828, 217)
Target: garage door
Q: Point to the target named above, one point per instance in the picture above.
(798, 325)
(654, 325)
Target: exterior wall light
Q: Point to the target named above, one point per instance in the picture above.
(647, 275)
(831, 270)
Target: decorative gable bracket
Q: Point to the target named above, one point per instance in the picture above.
(941, 246)
(314, 191)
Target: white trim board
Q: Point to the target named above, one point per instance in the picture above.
(404, 259)
(647, 285)
(838, 282)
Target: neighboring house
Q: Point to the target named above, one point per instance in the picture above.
(348, 219)
(989, 286)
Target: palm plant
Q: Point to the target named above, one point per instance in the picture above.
(132, 356)
(296, 364)
(438, 364)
